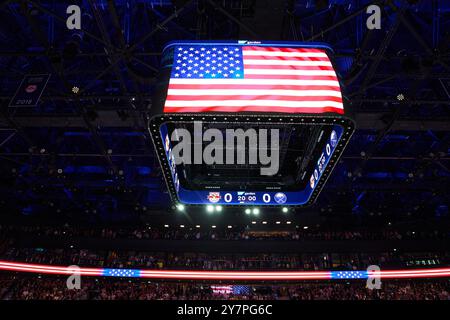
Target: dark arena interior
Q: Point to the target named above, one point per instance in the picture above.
(92, 208)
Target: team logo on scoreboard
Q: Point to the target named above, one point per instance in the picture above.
(312, 181)
(333, 138)
(167, 143)
(214, 197)
(280, 198)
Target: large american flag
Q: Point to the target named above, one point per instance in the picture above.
(232, 78)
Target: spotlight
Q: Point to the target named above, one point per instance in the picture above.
(213, 227)
(278, 222)
(264, 222)
(285, 209)
(166, 226)
(181, 225)
(180, 207)
(247, 211)
(256, 211)
(218, 208)
(75, 89)
(197, 226)
(229, 227)
(305, 227)
(209, 208)
(400, 97)
(288, 222)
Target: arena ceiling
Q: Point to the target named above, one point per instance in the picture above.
(84, 150)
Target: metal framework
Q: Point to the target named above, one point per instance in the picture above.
(98, 133)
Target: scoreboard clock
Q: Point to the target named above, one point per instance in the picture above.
(286, 93)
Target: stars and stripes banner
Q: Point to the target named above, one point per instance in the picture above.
(235, 78)
(225, 275)
(222, 289)
(231, 289)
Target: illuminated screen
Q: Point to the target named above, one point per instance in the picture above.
(290, 88)
(249, 78)
(297, 176)
(300, 143)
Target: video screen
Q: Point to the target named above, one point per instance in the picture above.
(299, 150)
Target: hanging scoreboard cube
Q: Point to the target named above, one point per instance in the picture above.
(288, 88)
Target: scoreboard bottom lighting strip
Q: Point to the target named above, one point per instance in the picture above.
(224, 275)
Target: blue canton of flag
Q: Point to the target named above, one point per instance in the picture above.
(208, 62)
(126, 273)
(238, 289)
(349, 275)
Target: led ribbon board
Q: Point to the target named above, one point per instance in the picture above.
(224, 275)
(285, 90)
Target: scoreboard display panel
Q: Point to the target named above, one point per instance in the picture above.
(258, 123)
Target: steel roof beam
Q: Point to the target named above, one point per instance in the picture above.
(110, 119)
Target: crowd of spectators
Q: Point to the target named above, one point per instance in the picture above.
(25, 287)
(19, 286)
(193, 233)
(54, 288)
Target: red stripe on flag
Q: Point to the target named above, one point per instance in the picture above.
(259, 57)
(281, 49)
(284, 67)
(252, 109)
(251, 97)
(288, 76)
(251, 86)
